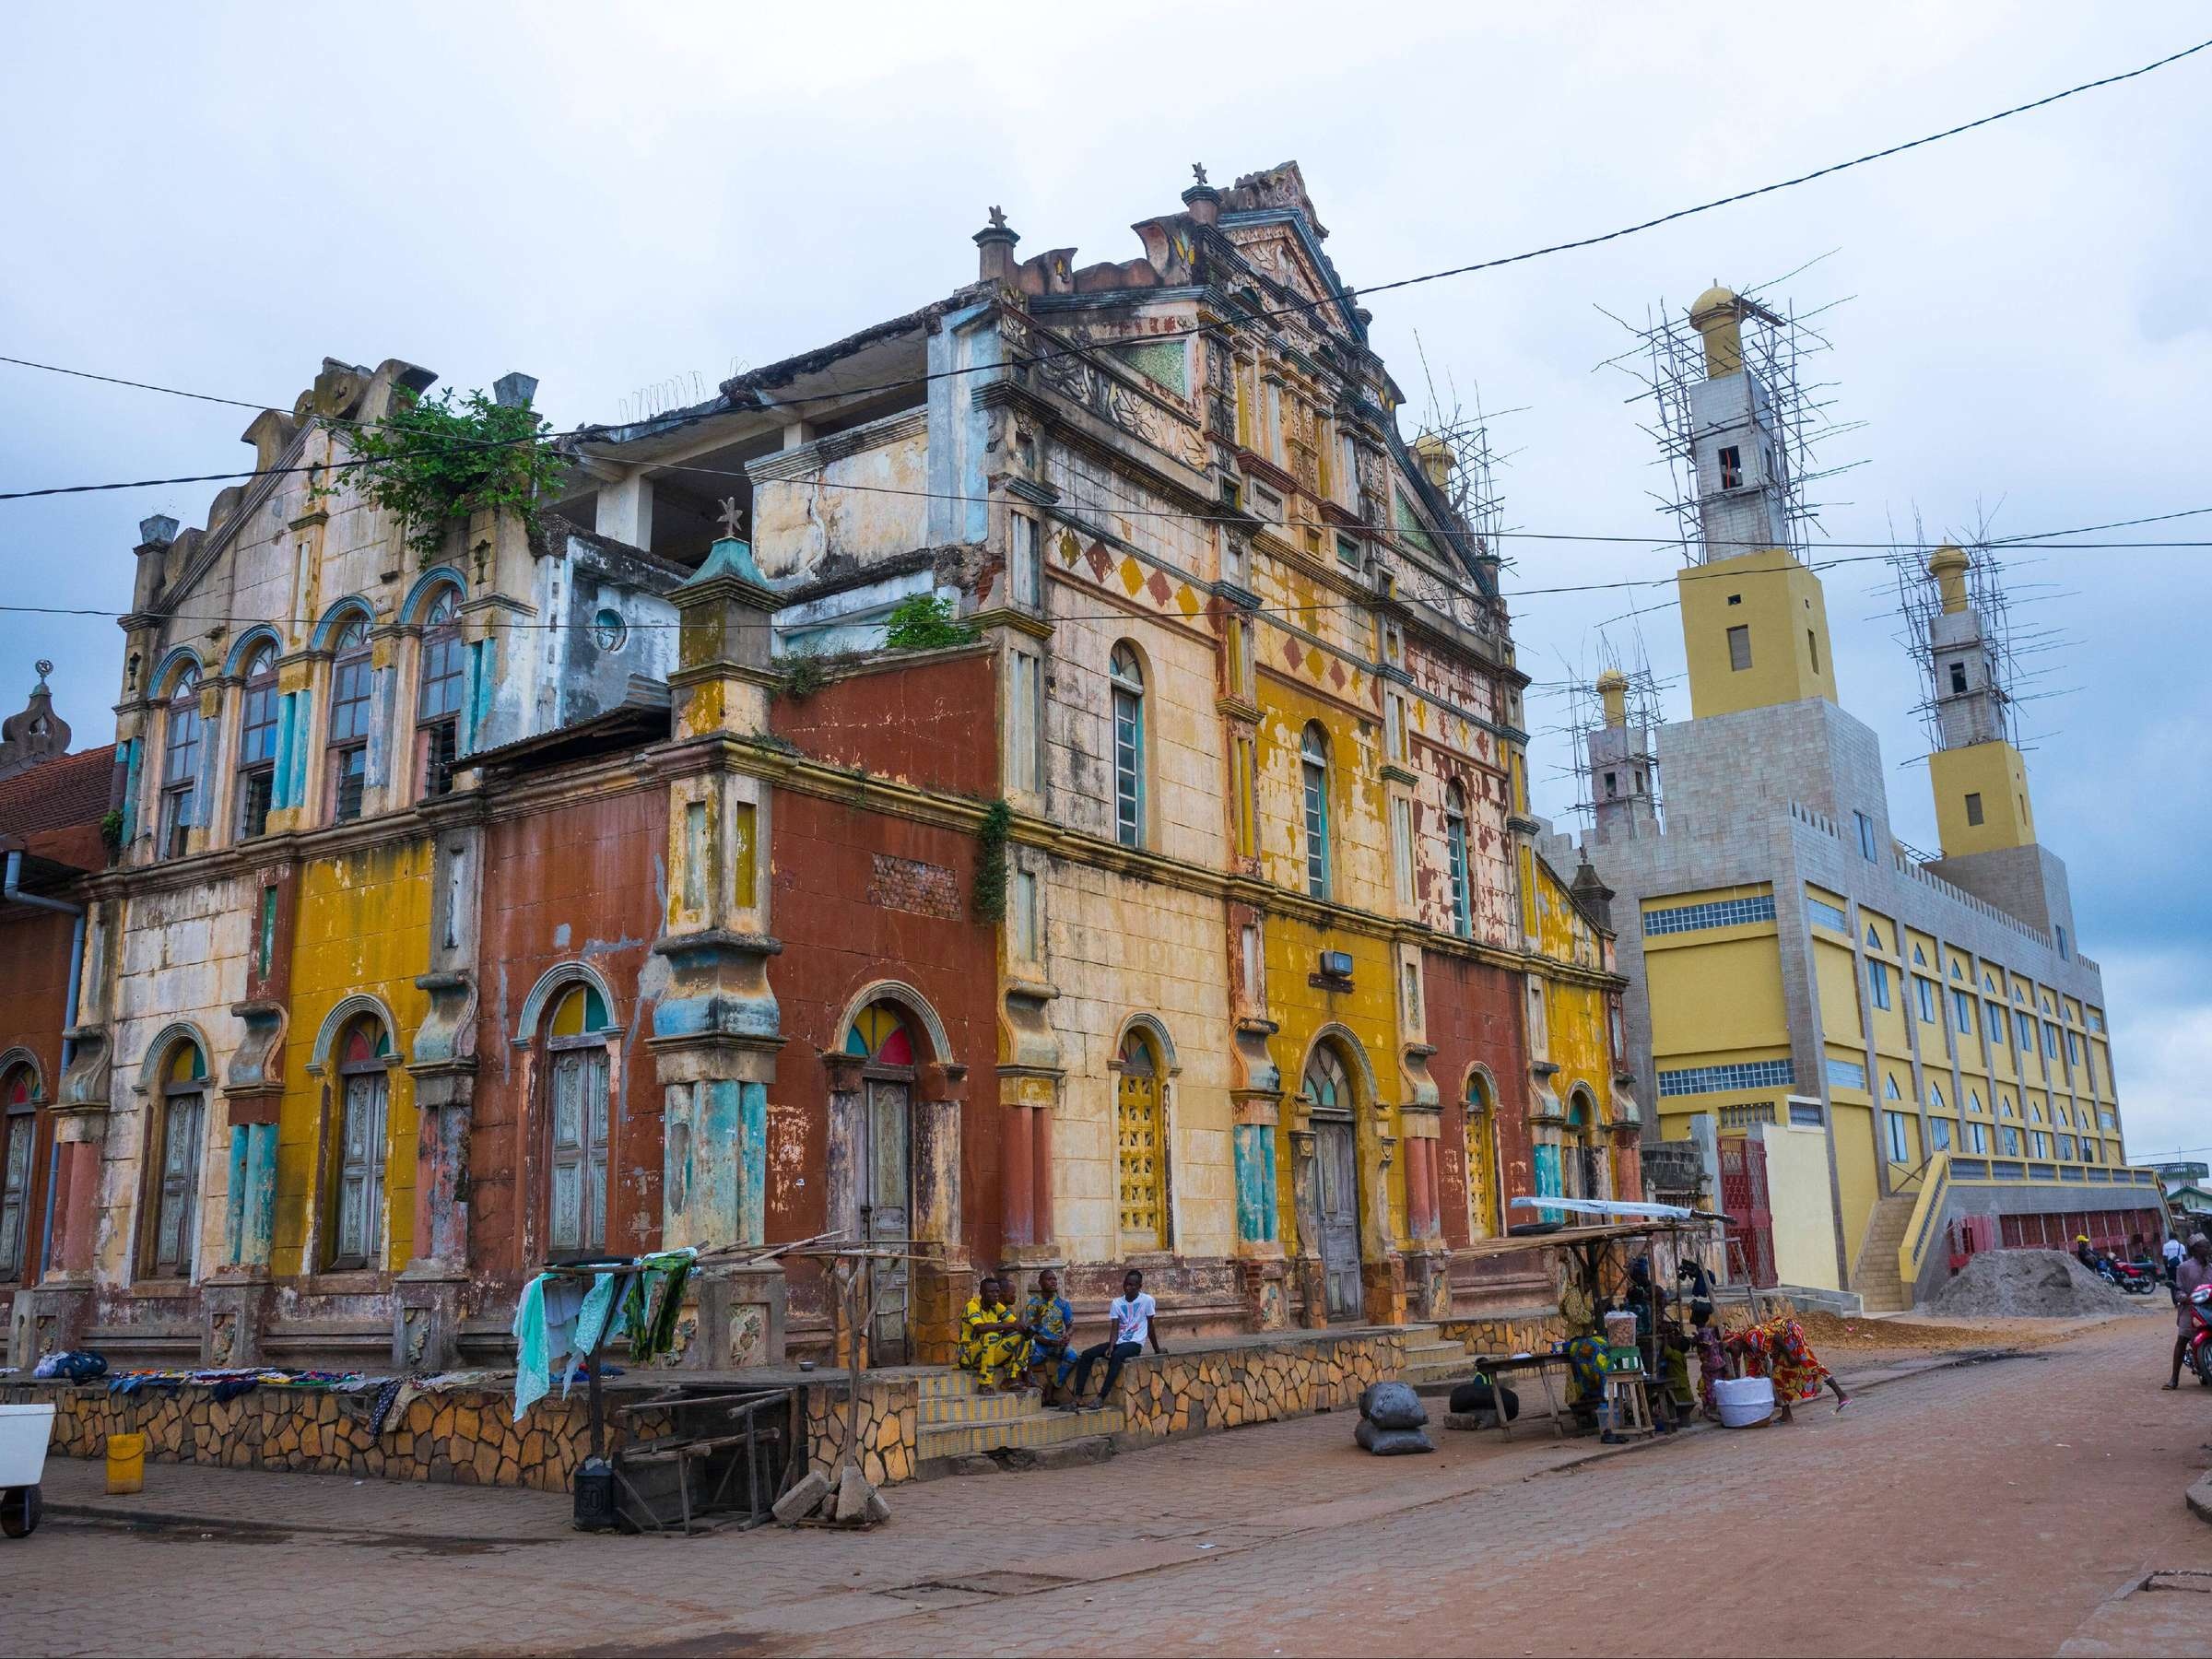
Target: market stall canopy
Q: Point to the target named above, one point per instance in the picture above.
(1609, 1206)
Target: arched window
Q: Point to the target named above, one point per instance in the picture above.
(19, 1124)
(880, 1033)
(179, 1125)
(577, 1122)
(1141, 1131)
(348, 742)
(1128, 675)
(1456, 840)
(181, 763)
(438, 700)
(257, 743)
(357, 1237)
(1483, 1221)
(1313, 767)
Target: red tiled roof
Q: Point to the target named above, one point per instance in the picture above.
(61, 793)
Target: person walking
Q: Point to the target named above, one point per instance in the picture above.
(1132, 1316)
(2196, 1269)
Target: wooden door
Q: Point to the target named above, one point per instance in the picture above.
(887, 1211)
(361, 1172)
(579, 1153)
(1336, 1174)
(180, 1127)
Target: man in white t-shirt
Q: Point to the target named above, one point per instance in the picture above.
(2174, 1250)
(1132, 1316)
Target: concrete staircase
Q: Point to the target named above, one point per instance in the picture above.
(1433, 1363)
(959, 1420)
(1875, 1275)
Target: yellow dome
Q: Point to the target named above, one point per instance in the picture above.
(1612, 679)
(1715, 298)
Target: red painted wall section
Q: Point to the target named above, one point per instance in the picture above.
(34, 984)
(1475, 1018)
(581, 882)
(861, 896)
(933, 722)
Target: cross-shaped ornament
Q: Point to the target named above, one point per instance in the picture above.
(733, 519)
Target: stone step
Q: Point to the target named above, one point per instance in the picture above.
(1039, 1429)
(945, 1384)
(972, 1408)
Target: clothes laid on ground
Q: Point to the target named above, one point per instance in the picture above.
(995, 1357)
(70, 1365)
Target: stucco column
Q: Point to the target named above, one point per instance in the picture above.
(1028, 1094)
(938, 1280)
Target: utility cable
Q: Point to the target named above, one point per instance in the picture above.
(1345, 296)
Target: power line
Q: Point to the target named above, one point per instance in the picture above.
(1344, 296)
(1691, 574)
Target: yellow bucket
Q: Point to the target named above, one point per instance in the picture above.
(126, 1463)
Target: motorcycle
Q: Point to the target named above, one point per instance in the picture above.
(2135, 1277)
(2200, 1333)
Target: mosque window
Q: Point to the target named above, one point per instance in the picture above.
(1739, 649)
(1973, 808)
(1732, 467)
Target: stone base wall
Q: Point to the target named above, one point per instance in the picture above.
(1164, 1395)
(1531, 1330)
(465, 1436)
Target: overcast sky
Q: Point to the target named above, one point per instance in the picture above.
(217, 197)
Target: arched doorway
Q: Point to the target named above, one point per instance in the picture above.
(882, 1035)
(173, 1171)
(1330, 1101)
(1582, 1153)
(364, 1059)
(1483, 1219)
(577, 1122)
(19, 1126)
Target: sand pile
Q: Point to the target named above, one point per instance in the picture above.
(2034, 1284)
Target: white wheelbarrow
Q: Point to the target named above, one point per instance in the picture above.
(24, 1430)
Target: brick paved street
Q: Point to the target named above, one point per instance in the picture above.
(2001, 1508)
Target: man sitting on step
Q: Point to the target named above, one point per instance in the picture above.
(1131, 1316)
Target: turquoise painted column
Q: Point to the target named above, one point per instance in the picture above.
(752, 1163)
(1548, 1179)
(1257, 1212)
(251, 1220)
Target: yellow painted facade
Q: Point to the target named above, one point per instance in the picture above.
(362, 929)
(1981, 800)
(1755, 628)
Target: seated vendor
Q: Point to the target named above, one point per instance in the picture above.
(992, 1345)
(1047, 1322)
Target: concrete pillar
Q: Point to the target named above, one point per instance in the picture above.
(625, 510)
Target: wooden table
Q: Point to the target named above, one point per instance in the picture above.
(1497, 1368)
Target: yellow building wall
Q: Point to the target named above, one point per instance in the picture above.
(362, 925)
(1855, 1184)
(1797, 1190)
(1368, 1010)
(1780, 603)
(1837, 975)
(1713, 993)
(1576, 1027)
(1994, 772)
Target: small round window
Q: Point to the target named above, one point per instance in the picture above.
(608, 630)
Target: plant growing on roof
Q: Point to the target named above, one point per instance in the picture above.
(436, 459)
(925, 622)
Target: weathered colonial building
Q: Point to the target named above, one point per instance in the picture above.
(1164, 894)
